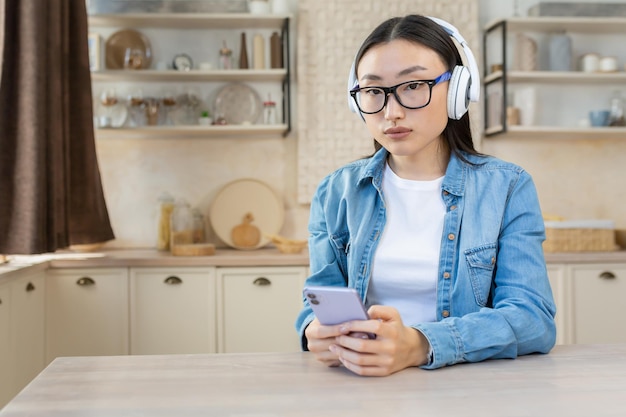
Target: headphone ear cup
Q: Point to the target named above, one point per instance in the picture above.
(458, 92)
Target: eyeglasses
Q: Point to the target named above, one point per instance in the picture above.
(412, 95)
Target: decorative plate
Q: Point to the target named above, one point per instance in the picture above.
(240, 197)
(117, 44)
(238, 104)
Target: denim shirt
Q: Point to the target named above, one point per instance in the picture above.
(493, 295)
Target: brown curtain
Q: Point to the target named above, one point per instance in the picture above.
(50, 189)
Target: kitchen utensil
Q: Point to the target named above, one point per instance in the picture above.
(238, 104)
(236, 199)
(127, 39)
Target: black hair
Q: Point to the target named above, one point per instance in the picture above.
(423, 30)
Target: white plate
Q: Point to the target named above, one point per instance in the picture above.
(243, 196)
(238, 104)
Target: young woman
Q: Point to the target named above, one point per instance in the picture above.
(441, 242)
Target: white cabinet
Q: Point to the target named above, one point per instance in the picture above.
(172, 310)
(257, 308)
(86, 312)
(589, 299)
(6, 383)
(26, 328)
(199, 35)
(598, 294)
(557, 99)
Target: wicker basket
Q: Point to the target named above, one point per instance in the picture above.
(564, 237)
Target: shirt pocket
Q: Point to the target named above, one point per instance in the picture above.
(481, 262)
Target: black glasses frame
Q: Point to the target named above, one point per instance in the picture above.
(392, 90)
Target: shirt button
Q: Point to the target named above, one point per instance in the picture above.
(451, 236)
(493, 261)
(446, 275)
(452, 208)
(445, 192)
(445, 313)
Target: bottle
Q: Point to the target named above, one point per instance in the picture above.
(181, 224)
(243, 53)
(165, 207)
(259, 52)
(616, 116)
(226, 58)
(276, 51)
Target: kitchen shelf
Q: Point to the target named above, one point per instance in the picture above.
(151, 132)
(559, 133)
(558, 77)
(495, 109)
(276, 75)
(552, 24)
(201, 21)
(188, 20)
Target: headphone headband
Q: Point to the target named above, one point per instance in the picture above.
(474, 93)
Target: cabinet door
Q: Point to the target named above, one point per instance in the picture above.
(6, 380)
(86, 312)
(27, 328)
(172, 310)
(598, 294)
(556, 274)
(257, 308)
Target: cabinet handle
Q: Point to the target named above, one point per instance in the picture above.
(85, 281)
(262, 281)
(30, 287)
(173, 280)
(607, 275)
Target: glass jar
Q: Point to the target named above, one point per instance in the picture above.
(198, 235)
(269, 112)
(181, 224)
(226, 58)
(616, 116)
(165, 207)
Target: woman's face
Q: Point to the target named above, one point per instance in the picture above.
(412, 133)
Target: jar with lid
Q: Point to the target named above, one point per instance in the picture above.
(269, 112)
(226, 58)
(198, 235)
(616, 115)
(165, 207)
(181, 224)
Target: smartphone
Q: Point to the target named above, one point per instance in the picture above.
(335, 305)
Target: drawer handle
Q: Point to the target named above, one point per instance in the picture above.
(607, 275)
(30, 287)
(85, 281)
(173, 280)
(262, 281)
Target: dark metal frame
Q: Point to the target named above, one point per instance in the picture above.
(503, 27)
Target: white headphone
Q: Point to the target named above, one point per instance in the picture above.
(464, 85)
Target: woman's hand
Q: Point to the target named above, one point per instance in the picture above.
(396, 346)
(319, 339)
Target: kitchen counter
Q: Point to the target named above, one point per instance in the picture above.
(575, 380)
(223, 257)
(148, 258)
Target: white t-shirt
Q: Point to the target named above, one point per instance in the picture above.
(406, 262)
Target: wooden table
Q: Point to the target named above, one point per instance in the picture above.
(571, 381)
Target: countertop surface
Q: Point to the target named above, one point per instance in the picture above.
(223, 257)
(572, 381)
(113, 258)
